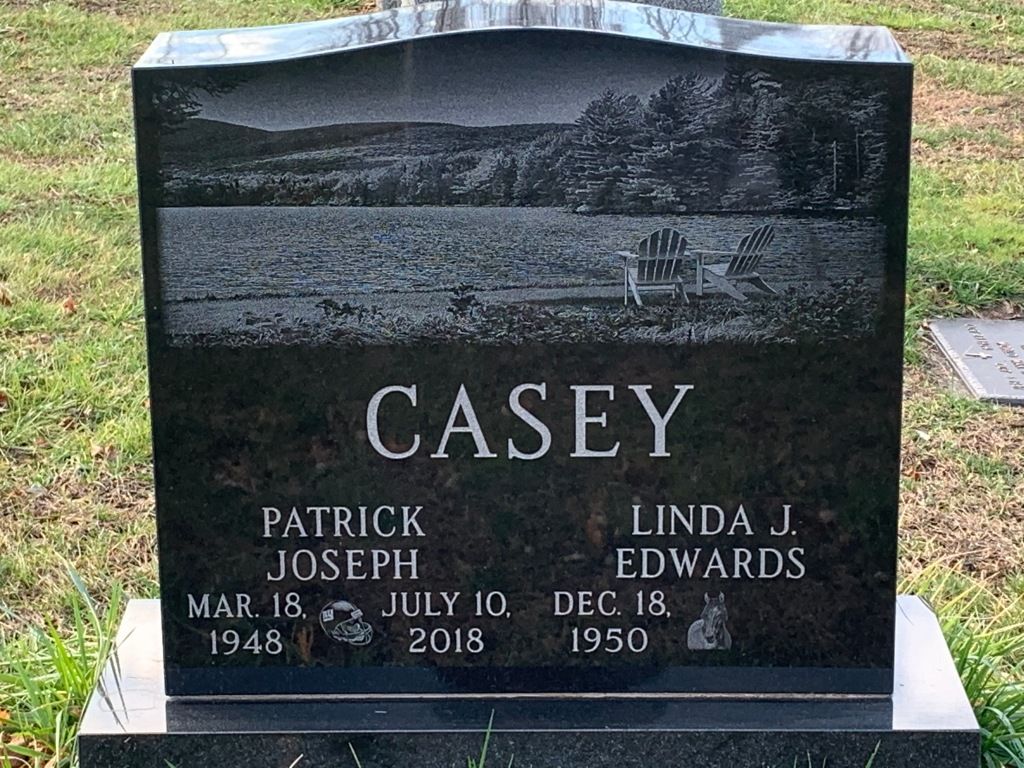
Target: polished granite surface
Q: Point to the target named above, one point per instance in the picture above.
(638, 21)
(331, 210)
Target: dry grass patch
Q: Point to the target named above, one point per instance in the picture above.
(102, 524)
(124, 8)
(963, 479)
(955, 125)
(955, 44)
(956, 150)
(939, 106)
(1004, 310)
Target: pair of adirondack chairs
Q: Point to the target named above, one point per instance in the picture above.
(660, 264)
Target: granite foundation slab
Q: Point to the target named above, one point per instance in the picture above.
(928, 721)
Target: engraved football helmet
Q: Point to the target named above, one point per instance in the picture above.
(343, 623)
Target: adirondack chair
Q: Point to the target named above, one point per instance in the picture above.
(741, 267)
(657, 265)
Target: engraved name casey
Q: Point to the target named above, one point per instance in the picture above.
(589, 418)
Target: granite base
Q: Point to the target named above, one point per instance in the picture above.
(927, 722)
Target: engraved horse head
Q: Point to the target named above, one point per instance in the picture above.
(709, 632)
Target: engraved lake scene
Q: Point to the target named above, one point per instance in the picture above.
(678, 202)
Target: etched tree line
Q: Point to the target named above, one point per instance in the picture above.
(743, 141)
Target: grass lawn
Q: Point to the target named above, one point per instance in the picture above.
(74, 429)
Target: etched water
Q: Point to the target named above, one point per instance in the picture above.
(238, 252)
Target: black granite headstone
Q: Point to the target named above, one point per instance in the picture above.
(525, 348)
(526, 363)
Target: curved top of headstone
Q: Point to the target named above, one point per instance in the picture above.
(610, 17)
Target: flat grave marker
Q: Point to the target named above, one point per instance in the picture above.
(987, 355)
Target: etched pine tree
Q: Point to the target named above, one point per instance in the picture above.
(865, 145)
(757, 107)
(504, 179)
(677, 169)
(542, 171)
(648, 188)
(602, 148)
(833, 147)
(473, 186)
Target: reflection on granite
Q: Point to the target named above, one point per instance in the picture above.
(643, 22)
(694, 6)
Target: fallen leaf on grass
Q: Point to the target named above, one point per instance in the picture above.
(21, 750)
(100, 451)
